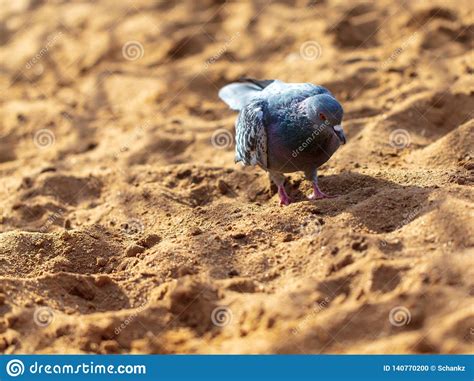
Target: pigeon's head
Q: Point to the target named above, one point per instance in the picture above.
(325, 111)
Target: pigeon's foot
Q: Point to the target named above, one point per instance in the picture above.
(284, 198)
(318, 194)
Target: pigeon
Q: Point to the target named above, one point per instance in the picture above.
(284, 128)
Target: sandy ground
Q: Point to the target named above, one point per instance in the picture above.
(127, 228)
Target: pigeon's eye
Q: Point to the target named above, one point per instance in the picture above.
(322, 116)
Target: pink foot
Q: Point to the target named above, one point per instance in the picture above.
(318, 194)
(284, 198)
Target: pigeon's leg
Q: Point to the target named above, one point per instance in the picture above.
(279, 180)
(317, 193)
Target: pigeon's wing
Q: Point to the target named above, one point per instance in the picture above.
(281, 95)
(308, 89)
(251, 135)
(261, 83)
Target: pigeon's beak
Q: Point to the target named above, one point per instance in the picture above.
(340, 133)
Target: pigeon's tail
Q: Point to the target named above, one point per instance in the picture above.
(238, 94)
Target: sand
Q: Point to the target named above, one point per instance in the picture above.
(126, 227)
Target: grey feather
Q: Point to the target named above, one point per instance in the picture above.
(251, 135)
(237, 95)
(262, 83)
(276, 118)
